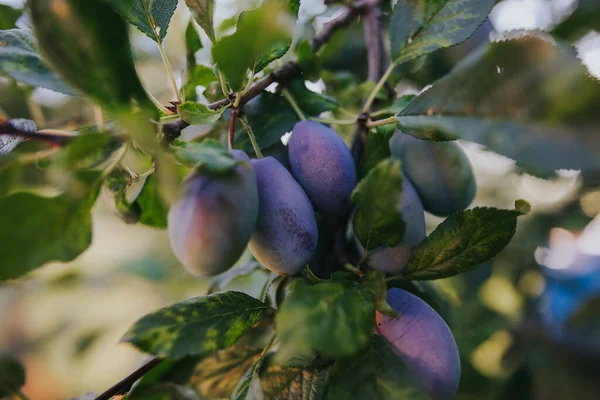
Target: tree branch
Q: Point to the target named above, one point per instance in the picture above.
(283, 74)
(24, 130)
(126, 383)
(375, 54)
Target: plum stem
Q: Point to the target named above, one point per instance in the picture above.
(157, 103)
(223, 85)
(334, 121)
(250, 132)
(310, 275)
(353, 269)
(386, 121)
(167, 64)
(290, 99)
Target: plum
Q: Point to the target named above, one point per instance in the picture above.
(210, 225)
(392, 260)
(323, 165)
(424, 342)
(286, 233)
(440, 171)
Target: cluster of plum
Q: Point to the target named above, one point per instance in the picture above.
(269, 205)
(438, 178)
(270, 209)
(264, 206)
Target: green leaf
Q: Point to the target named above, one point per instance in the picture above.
(330, 318)
(270, 117)
(275, 52)
(152, 207)
(310, 102)
(378, 220)
(218, 376)
(377, 148)
(376, 373)
(207, 155)
(197, 326)
(87, 151)
(117, 185)
(19, 59)
(400, 103)
(197, 114)
(309, 61)
(204, 11)
(75, 39)
(193, 43)
(465, 240)
(279, 383)
(49, 228)
(258, 31)
(12, 375)
(201, 75)
(244, 387)
(9, 16)
(525, 98)
(420, 27)
(374, 281)
(152, 17)
(294, 6)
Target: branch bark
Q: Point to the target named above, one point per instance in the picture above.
(22, 130)
(375, 52)
(126, 383)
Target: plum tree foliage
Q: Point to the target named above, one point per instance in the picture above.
(333, 215)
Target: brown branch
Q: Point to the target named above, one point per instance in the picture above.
(375, 53)
(126, 383)
(24, 131)
(283, 74)
(374, 40)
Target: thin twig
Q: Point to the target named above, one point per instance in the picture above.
(167, 64)
(232, 120)
(125, 384)
(52, 136)
(290, 99)
(334, 121)
(255, 145)
(385, 121)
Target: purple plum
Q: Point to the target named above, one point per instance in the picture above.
(286, 233)
(323, 165)
(392, 260)
(423, 341)
(440, 171)
(211, 224)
